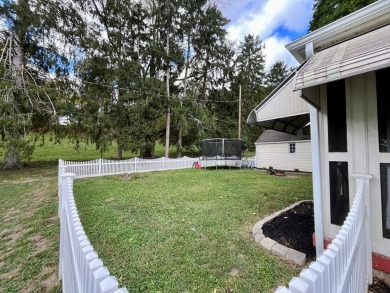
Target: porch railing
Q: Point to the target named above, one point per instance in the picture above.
(346, 265)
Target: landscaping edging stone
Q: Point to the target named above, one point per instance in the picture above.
(285, 253)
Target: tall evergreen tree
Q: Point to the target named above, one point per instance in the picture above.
(327, 11)
(190, 15)
(28, 56)
(210, 50)
(250, 67)
(276, 74)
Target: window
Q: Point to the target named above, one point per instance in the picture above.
(339, 192)
(292, 149)
(385, 193)
(337, 117)
(383, 100)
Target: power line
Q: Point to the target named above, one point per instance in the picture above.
(109, 86)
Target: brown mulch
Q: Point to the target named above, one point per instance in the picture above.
(295, 228)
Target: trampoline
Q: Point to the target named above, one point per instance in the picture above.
(221, 151)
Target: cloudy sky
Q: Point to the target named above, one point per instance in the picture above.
(277, 22)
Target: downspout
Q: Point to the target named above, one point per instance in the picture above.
(317, 198)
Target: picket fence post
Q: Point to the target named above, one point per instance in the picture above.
(61, 171)
(366, 192)
(135, 164)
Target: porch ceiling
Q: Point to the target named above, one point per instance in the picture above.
(282, 110)
(291, 124)
(364, 53)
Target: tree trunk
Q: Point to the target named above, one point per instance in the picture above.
(180, 139)
(11, 160)
(147, 153)
(120, 152)
(180, 142)
(168, 126)
(11, 152)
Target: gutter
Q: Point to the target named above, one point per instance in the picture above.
(357, 23)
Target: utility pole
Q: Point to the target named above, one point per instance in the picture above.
(168, 126)
(239, 114)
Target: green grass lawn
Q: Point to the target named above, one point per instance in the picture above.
(187, 230)
(49, 152)
(29, 234)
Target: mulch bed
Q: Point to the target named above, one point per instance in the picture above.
(295, 229)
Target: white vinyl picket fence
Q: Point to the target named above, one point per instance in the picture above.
(80, 269)
(346, 265)
(103, 167)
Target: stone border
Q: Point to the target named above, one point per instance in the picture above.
(285, 253)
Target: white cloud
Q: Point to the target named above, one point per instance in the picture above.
(275, 51)
(267, 19)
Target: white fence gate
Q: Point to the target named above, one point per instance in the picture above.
(346, 265)
(80, 268)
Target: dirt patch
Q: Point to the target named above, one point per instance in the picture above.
(10, 274)
(20, 181)
(14, 234)
(50, 282)
(40, 243)
(128, 177)
(45, 280)
(234, 272)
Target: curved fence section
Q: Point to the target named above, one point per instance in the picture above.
(80, 268)
(346, 265)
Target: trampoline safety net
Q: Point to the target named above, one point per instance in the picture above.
(221, 149)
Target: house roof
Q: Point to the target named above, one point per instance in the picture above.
(357, 23)
(364, 53)
(277, 136)
(282, 109)
(354, 44)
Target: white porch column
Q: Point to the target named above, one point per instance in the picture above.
(317, 196)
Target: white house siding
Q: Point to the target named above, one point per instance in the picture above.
(363, 154)
(276, 154)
